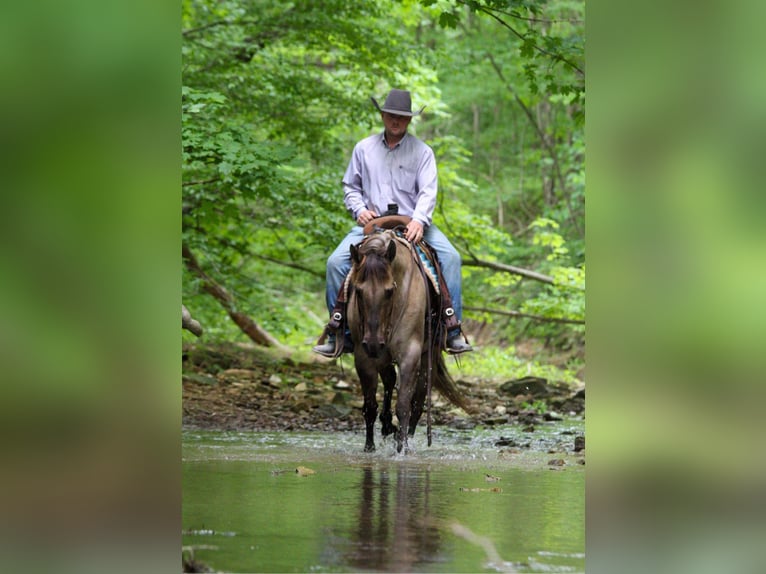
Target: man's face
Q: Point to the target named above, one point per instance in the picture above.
(395, 125)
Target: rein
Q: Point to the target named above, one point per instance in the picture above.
(429, 339)
(429, 334)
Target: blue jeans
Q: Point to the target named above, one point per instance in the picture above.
(339, 264)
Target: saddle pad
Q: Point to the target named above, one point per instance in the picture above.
(427, 264)
(429, 268)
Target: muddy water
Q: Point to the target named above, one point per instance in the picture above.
(246, 509)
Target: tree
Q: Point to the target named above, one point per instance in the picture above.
(275, 95)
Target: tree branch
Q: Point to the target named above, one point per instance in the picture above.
(558, 57)
(547, 144)
(508, 269)
(189, 323)
(512, 313)
(249, 327)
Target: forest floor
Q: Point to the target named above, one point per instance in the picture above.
(242, 387)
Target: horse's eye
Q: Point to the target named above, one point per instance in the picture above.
(389, 292)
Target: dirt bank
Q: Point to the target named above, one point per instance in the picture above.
(237, 387)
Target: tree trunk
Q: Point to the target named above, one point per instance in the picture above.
(249, 327)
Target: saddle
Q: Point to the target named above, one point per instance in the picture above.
(426, 256)
(386, 222)
(442, 312)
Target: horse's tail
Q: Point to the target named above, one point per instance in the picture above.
(445, 384)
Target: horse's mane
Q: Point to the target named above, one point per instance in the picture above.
(374, 265)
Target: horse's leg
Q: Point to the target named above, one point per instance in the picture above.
(408, 368)
(386, 417)
(418, 397)
(368, 376)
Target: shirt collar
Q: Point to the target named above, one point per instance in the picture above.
(383, 140)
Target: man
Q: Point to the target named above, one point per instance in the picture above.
(395, 167)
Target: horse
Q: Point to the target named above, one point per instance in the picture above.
(391, 324)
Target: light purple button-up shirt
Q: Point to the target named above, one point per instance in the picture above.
(405, 175)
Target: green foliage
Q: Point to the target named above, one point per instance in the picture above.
(539, 406)
(276, 94)
(548, 35)
(504, 364)
(565, 299)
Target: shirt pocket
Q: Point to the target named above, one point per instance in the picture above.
(405, 179)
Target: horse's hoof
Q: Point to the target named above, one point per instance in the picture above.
(369, 448)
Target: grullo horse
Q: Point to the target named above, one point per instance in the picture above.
(392, 325)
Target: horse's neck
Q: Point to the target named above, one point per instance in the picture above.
(408, 278)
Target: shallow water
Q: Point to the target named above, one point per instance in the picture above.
(245, 509)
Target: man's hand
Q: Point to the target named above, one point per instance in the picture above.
(365, 217)
(414, 231)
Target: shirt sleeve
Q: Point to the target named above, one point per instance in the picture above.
(352, 185)
(427, 189)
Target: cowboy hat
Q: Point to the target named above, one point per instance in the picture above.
(398, 102)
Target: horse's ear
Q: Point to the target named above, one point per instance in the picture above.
(391, 252)
(354, 253)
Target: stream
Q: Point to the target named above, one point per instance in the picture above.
(494, 499)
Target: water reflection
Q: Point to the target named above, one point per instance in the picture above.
(395, 530)
(245, 509)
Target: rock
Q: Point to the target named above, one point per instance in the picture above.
(534, 386)
(506, 442)
(557, 462)
(300, 406)
(463, 424)
(341, 385)
(579, 443)
(333, 411)
(552, 416)
(501, 409)
(572, 404)
(275, 380)
(528, 415)
(300, 387)
(491, 421)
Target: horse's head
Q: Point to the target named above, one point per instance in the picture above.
(374, 285)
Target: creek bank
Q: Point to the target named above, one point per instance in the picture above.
(239, 387)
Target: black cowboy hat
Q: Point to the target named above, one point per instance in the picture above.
(398, 102)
